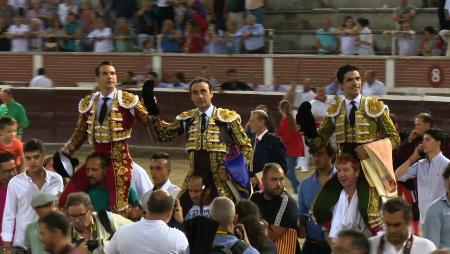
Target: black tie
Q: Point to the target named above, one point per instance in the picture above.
(351, 117)
(203, 123)
(103, 110)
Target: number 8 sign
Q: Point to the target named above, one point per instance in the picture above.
(435, 75)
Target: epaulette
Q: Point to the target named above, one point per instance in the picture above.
(127, 100)
(333, 109)
(374, 107)
(186, 115)
(85, 104)
(226, 115)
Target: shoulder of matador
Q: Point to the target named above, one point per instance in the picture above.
(127, 100)
(226, 115)
(333, 109)
(374, 107)
(186, 115)
(85, 104)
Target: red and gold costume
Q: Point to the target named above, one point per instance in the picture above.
(110, 137)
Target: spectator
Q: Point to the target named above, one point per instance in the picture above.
(432, 44)
(51, 7)
(204, 72)
(5, 42)
(197, 14)
(147, 19)
(37, 12)
(18, 33)
(72, 31)
(215, 44)
(348, 34)
(179, 81)
(326, 40)
(297, 97)
(8, 170)
(54, 235)
(147, 235)
(65, 8)
(14, 109)
(101, 37)
(8, 141)
(372, 86)
(20, 6)
(41, 80)
(406, 40)
(53, 36)
(223, 211)
(43, 203)
(83, 229)
(160, 170)
(35, 34)
(130, 81)
(96, 166)
(236, 12)
(233, 84)
(124, 36)
(195, 40)
(292, 140)
(397, 238)
(255, 8)
(351, 241)
(170, 38)
(323, 160)
(180, 9)
(18, 211)
(232, 39)
(7, 12)
(200, 197)
(405, 12)
(253, 36)
(320, 104)
(124, 8)
(148, 46)
(436, 226)
(334, 88)
(364, 41)
(87, 17)
(277, 86)
(165, 11)
(277, 207)
(428, 171)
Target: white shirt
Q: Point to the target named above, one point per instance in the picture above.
(407, 44)
(104, 45)
(419, 245)
(63, 11)
(41, 81)
(366, 36)
(348, 106)
(195, 211)
(19, 44)
(167, 186)
(18, 208)
(147, 236)
(430, 184)
(301, 96)
(319, 108)
(376, 88)
(140, 180)
(348, 46)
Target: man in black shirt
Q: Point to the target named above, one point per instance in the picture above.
(233, 84)
(277, 207)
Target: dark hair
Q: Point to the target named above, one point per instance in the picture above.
(130, 73)
(256, 232)
(7, 91)
(426, 118)
(231, 70)
(330, 148)
(346, 157)
(180, 76)
(78, 198)
(33, 145)
(157, 156)
(159, 203)
(97, 69)
(437, 134)
(429, 29)
(41, 71)
(246, 208)
(56, 220)
(343, 70)
(394, 205)
(7, 121)
(105, 161)
(6, 157)
(271, 166)
(363, 22)
(153, 73)
(446, 173)
(199, 80)
(262, 116)
(347, 18)
(359, 240)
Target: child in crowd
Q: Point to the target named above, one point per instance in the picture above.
(8, 141)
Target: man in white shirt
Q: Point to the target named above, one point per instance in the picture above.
(397, 238)
(65, 8)
(140, 180)
(18, 211)
(151, 234)
(430, 184)
(41, 80)
(320, 104)
(372, 86)
(18, 34)
(277, 86)
(101, 36)
(160, 169)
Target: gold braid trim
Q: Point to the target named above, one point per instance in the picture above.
(374, 209)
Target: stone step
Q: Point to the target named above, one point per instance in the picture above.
(312, 4)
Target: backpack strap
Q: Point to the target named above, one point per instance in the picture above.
(239, 247)
(106, 223)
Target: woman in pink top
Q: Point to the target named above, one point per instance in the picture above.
(293, 141)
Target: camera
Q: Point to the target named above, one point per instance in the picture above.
(92, 244)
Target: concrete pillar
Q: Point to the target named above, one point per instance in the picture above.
(268, 71)
(390, 73)
(38, 62)
(157, 64)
